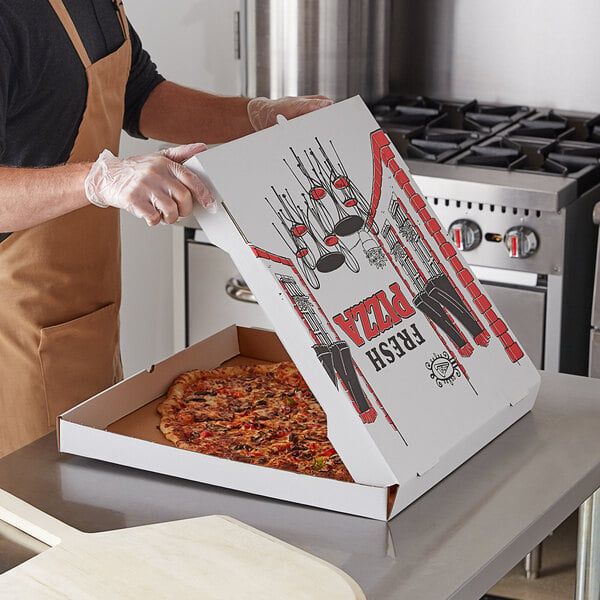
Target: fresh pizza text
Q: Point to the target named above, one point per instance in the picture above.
(395, 347)
(374, 315)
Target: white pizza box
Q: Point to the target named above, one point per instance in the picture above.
(119, 425)
(408, 356)
(411, 361)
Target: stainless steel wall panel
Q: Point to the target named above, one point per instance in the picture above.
(535, 52)
(334, 47)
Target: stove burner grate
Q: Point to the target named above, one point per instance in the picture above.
(565, 158)
(550, 126)
(501, 137)
(483, 118)
(496, 152)
(488, 117)
(406, 111)
(429, 143)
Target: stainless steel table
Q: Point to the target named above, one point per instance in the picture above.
(454, 542)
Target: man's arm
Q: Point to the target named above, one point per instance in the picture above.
(153, 187)
(181, 115)
(173, 113)
(32, 196)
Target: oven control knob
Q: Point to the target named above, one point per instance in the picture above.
(465, 234)
(521, 241)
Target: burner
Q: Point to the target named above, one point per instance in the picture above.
(454, 137)
(496, 152)
(549, 125)
(573, 149)
(484, 118)
(565, 158)
(580, 160)
(438, 144)
(501, 137)
(433, 144)
(429, 150)
(406, 111)
(488, 117)
(558, 125)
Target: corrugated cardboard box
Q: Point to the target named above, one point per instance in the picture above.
(412, 363)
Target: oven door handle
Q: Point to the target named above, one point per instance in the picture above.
(237, 289)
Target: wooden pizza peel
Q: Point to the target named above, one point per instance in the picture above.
(214, 557)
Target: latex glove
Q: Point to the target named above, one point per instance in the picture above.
(153, 187)
(263, 112)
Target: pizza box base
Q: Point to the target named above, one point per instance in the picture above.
(119, 426)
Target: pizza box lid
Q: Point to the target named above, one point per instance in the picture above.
(397, 339)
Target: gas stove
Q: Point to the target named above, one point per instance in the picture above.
(519, 141)
(515, 187)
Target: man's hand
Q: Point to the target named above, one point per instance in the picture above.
(153, 187)
(263, 112)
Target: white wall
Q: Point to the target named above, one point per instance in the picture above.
(191, 41)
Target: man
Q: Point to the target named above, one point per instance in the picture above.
(72, 74)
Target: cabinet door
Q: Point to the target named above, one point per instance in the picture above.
(192, 42)
(525, 312)
(211, 287)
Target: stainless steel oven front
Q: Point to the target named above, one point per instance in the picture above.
(534, 255)
(526, 289)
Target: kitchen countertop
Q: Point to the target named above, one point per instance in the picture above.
(454, 542)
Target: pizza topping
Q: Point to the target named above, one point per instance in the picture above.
(261, 414)
(319, 463)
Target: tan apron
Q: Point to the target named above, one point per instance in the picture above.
(60, 282)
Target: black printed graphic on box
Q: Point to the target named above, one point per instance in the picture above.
(443, 369)
(395, 347)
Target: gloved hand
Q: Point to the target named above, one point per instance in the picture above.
(263, 112)
(153, 187)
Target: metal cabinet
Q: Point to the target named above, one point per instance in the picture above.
(524, 311)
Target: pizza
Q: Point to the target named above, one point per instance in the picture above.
(261, 414)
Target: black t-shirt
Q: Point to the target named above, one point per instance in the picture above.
(43, 87)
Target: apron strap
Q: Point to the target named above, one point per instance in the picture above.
(118, 4)
(65, 19)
